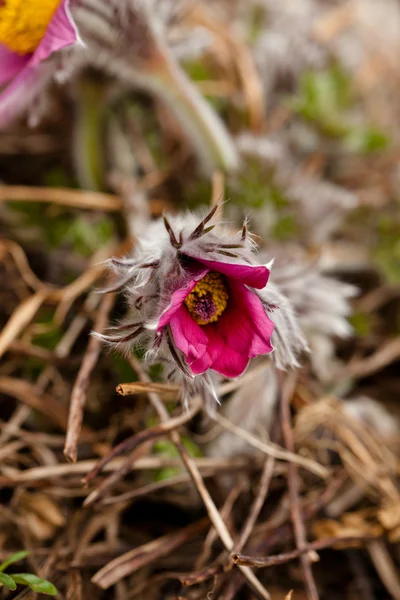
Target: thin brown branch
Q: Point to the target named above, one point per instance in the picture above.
(198, 482)
(45, 404)
(203, 575)
(138, 387)
(387, 354)
(257, 505)
(280, 559)
(145, 436)
(212, 535)
(286, 391)
(68, 197)
(44, 473)
(383, 563)
(272, 449)
(139, 557)
(78, 396)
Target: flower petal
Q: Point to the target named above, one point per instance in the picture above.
(255, 276)
(177, 300)
(221, 355)
(178, 297)
(21, 92)
(61, 32)
(250, 304)
(188, 335)
(11, 64)
(241, 333)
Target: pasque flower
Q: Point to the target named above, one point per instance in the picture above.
(123, 39)
(199, 301)
(30, 32)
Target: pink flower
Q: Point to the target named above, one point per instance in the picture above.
(199, 302)
(122, 38)
(28, 37)
(217, 320)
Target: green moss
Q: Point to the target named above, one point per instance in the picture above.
(198, 70)
(285, 228)
(324, 99)
(367, 140)
(84, 233)
(255, 189)
(167, 449)
(361, 323)
(387, 250)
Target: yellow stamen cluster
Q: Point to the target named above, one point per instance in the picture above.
(213, 289)
(23, 23)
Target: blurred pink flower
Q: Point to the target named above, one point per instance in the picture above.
(216, 320)
(28, 37)
(123, 39)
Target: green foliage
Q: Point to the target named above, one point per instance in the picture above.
(256, 25)
(167, 449)
(89, 131)
(324, 99)
(144, 119)
(83, 233)
(17, 556)
(361, 323)
(50, 334)
(255, 190)
(58, 177)
(198, 70)
(387, 251)
(366, 140)
(7, 581)
(35, 583)
(122, 368)
(285, 228)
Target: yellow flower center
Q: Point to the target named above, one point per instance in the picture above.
(208, 299)
(23, 23)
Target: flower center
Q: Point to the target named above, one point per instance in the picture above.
(23, 23)
(208, 299)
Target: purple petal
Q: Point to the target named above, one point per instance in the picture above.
(60, 33)
(221, 355)
(21, 92)
(188, 335)
(241, 333)
(255, 276)
(11, 64)
(30, 77)
(177, 300)
(261, 324)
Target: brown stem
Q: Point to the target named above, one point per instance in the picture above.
(286, 391)
(78, 397)
(280, 559)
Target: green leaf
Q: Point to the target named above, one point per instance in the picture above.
(361, 323)
(7, 581)
(366, 140)
(13, 558)
(41, 586)
(284, 228)
(322, 99)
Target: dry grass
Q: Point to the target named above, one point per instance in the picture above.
(105, 477)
